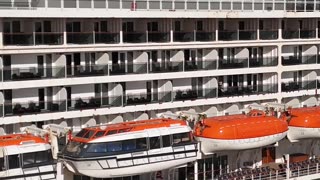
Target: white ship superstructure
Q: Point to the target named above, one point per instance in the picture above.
(92, 62)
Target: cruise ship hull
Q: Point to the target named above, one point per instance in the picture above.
(298, 133)
(214, 145)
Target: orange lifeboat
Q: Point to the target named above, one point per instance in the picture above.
(21, 154)
(304, 123)
(238, 132)
(130, 148)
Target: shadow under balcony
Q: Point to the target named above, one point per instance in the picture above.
(33, 73)
(247, 90)
(232, 63)
(268, 34)
(263, 62)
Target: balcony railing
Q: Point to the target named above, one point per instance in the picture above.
(233, 63)
(247, 90)
(302, 34)
(237, 35)
(263, 62)
(298, 85)
(24, 108)
(193, 36)
(33, 73)
(268, 34)
(92, 38)
(89, 70)
(31, 39)
(158, 37)
(291, 60)
(134, 37)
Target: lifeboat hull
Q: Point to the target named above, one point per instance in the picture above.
(133, 163)
(209, 145)
(298, 133)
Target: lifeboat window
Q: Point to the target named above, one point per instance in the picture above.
(181, 138)
(129, 145)
(166, 141)
(13, 161)
(99, 134)
(89, 134)
(114, 146)
(30, 159)
(154, 142)
(81, 133)
(141, 143)
(97, 148)
(123, 130)
(111, 132)
(2, 168)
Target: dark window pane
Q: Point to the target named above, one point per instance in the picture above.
(114, 146)
(141, 143)
(99, 134)
(154, 142)
(13, 161)
(2, 168)
(97, 148)
(166, 141)
(129, 145)
(81, 133)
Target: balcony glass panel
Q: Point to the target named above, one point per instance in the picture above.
(38, 3)
(32, 73)
(298, 85)
(247, 90)
(134, 37)
(89, 70)
(232, 64)
(5, 4)
(84, 4)
(49, 38)
(23, 108)
(205, 36)
(70, 3)
(18, 39)
(203, 5)
(54, 3)
(137, 68)
(21, 3)
(141, 98)
(153, 4)
(113, 4)
(268, 34)
(183, 36)
(107, 38)
(167, 5)
(288, 34)
(263, 62)
(291, 60)
(214, 5)
(247, 35)
(141, 4)
(158, 36)
(99, 4)
(305, 34)
(228, 35)
(80, 38)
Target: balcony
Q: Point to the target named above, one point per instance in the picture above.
(157, 67)
(233, 63)
(263, 62)
(298, 34)
(189, 94)
(298, 85)
(32, 39)
(92, 38)
(291, 60)
(32, 73)
(134, 37)
(237, 35)
(247, 90)
(268, 34)
(14, 109)
(158, 37)
(193, 36)
(87, 70)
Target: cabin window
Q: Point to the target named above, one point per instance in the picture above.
(166, 142)
(2, 168)
(97, 148)
(99, 134)
(154, 142)
(30, 159)
(13, 161)
(181, 138)
(81, 133)
(129, 145)
(114, 146)
(141, 143)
